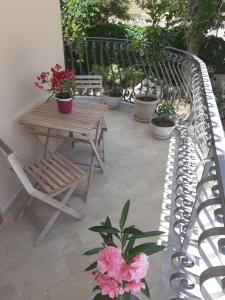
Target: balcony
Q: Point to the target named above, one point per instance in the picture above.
(176, 185)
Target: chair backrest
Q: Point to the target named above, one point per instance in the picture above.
(92, 82)
(17, 167)
(88, 81)
(5, 147)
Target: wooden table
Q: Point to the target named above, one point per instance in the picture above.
(85, 117)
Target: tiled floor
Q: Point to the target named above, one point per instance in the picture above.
(134, 169)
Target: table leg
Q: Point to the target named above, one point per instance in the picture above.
(94, 154)
(46, 144)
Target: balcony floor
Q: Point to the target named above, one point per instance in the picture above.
(134, 169)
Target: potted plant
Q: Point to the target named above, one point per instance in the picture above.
(164, 123)
(61, 84)
(120, 268)
(113, 90)
(145, 105)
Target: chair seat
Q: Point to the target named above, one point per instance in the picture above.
(55, 174)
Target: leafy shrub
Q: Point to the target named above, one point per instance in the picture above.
(141, 34)
(212, 52)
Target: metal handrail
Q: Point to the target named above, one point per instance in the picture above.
(199, 176)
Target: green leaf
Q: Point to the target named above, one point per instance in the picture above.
(92, 251)
(125, 296)
(104, 229)
(154, 249)
(147, 248)
(124, 214)
(96, 288)
(108, 222)
(91, 266)
(145, 290)
(130, 245)
(101, 297)
(146, 234)
(133, 230)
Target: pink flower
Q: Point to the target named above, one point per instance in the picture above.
(136, 269)
(110, 260)
(133, 286)
(109, 286)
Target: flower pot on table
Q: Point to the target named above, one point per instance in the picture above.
(64, 105)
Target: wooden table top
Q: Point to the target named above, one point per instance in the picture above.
(83, 118)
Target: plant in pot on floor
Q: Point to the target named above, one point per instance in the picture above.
(113, 90)
(121, 265)
(61, 84)
(164, 123)
(145, 104)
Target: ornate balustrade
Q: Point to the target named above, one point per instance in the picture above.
(196, 242)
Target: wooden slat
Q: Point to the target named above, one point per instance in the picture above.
(59, 167)
(67, 166)
(40, 172)
(39, 180)
(49, 172)
(64, 178)
(80, 171)
(88, 76)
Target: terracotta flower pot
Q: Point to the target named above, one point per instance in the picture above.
(64, 105)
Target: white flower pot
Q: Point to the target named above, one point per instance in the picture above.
(162, 132)
(113, 102)
(145, 109)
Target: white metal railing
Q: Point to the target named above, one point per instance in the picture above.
(197, 234)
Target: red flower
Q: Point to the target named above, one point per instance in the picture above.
(56, 80)
(39, 85)
(43, 75)
(58, 67)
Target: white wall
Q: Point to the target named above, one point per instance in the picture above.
(30, 42)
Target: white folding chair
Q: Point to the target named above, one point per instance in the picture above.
(93, 82)
(46, 180)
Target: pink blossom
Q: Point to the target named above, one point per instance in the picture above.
(136, 269)
(133, 286)
(110, 260)
(109, 286)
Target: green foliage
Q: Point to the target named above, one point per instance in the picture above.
(124, 214)
(200, 16)
(196, 16)
(145, 290)
(78, 15)
(165, 111)
(168, 10)
(212, 52)
(91, 266)
(174, 37)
